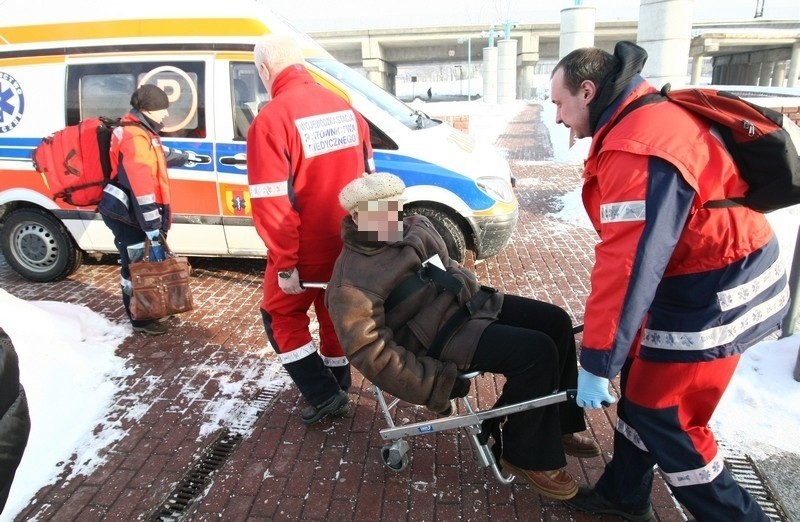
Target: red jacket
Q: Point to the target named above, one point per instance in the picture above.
(139, 192)
(673, 280)
(302, 149)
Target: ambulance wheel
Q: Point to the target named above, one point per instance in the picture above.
(38, 247)
(447, 228)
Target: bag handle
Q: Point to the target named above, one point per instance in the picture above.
(163, 240)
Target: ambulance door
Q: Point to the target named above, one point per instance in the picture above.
(237, 82)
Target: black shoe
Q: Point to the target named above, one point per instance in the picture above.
(590, 501)
(336, 406)
(152, 328)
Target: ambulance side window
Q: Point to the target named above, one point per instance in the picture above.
(104, 89)
(248, 95)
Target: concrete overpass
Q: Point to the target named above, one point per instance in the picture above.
(755, 52)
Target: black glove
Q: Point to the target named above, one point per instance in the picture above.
(460, 388)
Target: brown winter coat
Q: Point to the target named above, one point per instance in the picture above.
(391, 351)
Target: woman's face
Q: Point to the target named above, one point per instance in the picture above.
(157, 116)
(380, 220)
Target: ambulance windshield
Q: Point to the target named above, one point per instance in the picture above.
(411, 118)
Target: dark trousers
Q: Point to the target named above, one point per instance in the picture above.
(663, 419)
(126, 235)
(533, 346)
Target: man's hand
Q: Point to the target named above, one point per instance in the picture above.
(593, 391)
(291, 285)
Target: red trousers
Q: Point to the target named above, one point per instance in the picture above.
(290, 319)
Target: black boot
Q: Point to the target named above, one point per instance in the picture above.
(590, 501)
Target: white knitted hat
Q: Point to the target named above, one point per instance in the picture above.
(371, 187)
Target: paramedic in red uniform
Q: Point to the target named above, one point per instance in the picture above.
(302, 148)
(678, 291)
(136, 202)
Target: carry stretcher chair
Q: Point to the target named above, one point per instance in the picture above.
(395, 452)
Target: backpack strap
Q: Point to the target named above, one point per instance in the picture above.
(656, 97)
(415, 282)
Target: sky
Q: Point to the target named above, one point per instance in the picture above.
(315, 15)
(71, 372)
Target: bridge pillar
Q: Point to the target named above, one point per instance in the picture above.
(665, 31)
(577, 29)
(794, 65)
(697, 69)
(766, 74)
(490, 74)
(527, 59)
(778, 74)
(752, 74)
(379, 71)
(506, 70)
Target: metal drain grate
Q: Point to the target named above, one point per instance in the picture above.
(181, 498)
(197, 478)
(747, 475)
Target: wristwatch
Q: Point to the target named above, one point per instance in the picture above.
(285, 274)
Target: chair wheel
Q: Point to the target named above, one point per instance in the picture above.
(395, 455)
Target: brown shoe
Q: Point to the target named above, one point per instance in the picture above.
(578, 446)
(557, 483)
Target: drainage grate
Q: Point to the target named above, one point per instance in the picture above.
(197, 478)
(181, 498)
(747, 475)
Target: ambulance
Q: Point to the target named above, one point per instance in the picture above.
(57, 68)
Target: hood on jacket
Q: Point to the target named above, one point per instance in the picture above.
(630, 61)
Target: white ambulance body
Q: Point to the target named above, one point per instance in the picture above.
(53, 74)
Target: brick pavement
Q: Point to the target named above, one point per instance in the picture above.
(275, 468)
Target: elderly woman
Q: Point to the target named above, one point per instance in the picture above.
(410, 319)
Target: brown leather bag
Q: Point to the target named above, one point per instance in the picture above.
(160, 288)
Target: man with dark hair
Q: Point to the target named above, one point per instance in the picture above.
(15, 422)
(679, 290)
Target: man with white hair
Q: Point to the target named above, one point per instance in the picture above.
(302, 148)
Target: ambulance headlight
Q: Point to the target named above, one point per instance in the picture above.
(496, 188)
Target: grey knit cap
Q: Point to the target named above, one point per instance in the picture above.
(371, 187)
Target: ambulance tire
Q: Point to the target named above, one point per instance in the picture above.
(38, 246)
(447, 228)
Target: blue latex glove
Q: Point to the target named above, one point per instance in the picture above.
(152, 234)
(592, 391)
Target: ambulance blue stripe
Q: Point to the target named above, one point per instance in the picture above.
(416, 172)
(413, 172)
(17, 149)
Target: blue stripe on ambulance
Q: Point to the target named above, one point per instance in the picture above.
(16, 149)
(413, 172)
(416, 172)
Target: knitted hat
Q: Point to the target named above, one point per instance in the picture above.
(149, 98)
(370, 187)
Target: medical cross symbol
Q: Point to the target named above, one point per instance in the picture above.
(10, 113)
(5, 107)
